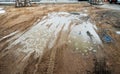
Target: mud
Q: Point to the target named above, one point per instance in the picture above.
(43, 40)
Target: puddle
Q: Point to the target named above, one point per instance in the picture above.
(2, 11)
(46, 32)
(118, 32)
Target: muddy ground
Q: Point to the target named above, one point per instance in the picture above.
(62, 57)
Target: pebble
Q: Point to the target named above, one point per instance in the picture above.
(94, 50)
(69, 41)
(77, 48)
(90, 48)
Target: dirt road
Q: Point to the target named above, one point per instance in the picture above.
(54, 39)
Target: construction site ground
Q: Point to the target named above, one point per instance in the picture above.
(49, 39)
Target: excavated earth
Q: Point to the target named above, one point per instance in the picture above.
(54, 39)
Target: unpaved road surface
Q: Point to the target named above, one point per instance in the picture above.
(111, 6)
(56, 39)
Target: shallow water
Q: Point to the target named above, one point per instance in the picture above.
(55, 29)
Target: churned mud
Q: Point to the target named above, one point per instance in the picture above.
(58, 39)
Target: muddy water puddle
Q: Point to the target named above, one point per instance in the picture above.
(81, 46)
(45, 33)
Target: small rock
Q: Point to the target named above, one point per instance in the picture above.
(77, 48)
(69, 41)
(94, 50)
(90, 48)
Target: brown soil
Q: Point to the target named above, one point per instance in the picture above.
(61, 58)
